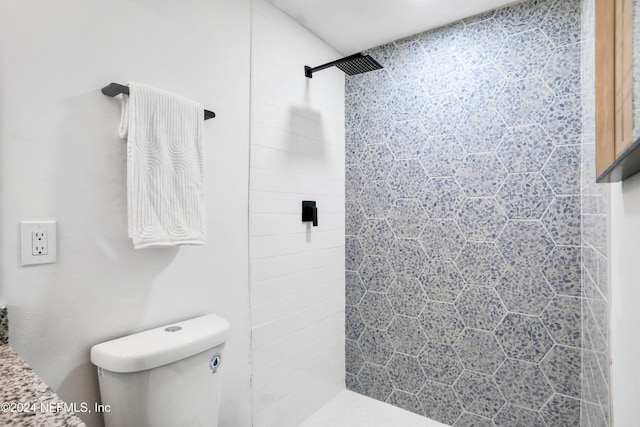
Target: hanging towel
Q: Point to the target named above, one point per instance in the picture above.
(165, 167)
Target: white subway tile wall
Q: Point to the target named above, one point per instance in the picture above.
(297, 280)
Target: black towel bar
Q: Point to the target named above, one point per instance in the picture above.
(114, 89)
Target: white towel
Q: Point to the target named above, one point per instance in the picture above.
(165, 167)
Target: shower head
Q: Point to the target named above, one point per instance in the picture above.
(351, 65)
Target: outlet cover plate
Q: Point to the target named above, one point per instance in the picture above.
(27, 230)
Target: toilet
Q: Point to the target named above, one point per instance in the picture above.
(164, 377)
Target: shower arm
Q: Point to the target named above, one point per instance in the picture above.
(308, 71)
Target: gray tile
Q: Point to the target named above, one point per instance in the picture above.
(598, 341)
(478, 394)
(442, 239)
(593, 227)
(407, 218)
(354, 325)
(354, 145)
(525, 148)
(407, 178)
(562, 24)
(407, 296)
(480, 307)
(479, 43)
(375, 310)
(442, 114)
(407, 139)
(376, 199)
(524, 290)
(479, 17)
(480, 87)
(351, 383)
(523, 337)
(481, 175)
(376, 89)
(523, 384)
(525, 196)
(406, 102)
(562, 270)
(375, 346)
(440, 363)
(443, 73)
(354, 217)
(382, 54)
(522, 16)
(407, 61)
(442, 197)
(562, 367)
(376, 236)
(373, 381)
(439, 402)
(562, 411)
(562, 220)
(353, 114)
(441, 322)
(563, 121)
(405, 373)
(354, 182)
(562, 170)
(562, 319)
(600, 313)
(442, 156)
(354, 253)
(480, 264)
(481, 219)
(479, 351)
(524, 102)
(406, 401)
(442, 39)
(482, 131)
(376, 274)
(406, 335)
(376, 124)
(515, 416)
(470, 420)
(594, 415)
(407, 257)
(525, 243)
(376, 161)
(354, 360)
(524, 54)
(442, 281)
(354, 288)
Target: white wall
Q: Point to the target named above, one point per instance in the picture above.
(625, 296)
(297, 271)
(61, 159)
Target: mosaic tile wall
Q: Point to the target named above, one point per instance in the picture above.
(463, 226)
(595, 289)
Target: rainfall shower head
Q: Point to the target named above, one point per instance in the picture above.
(352, 65)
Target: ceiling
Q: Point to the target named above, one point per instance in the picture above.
(354, 25)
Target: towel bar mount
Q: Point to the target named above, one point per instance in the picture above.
(114, 89)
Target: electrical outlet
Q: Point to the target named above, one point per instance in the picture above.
(38, 242)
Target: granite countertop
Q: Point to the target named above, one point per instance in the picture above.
(25, 400)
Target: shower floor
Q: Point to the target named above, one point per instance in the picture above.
(350, 409)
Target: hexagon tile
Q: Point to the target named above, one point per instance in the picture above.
(467, 232)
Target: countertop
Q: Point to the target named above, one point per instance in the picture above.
(25, 399)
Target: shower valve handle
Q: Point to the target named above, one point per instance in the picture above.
(310, 212)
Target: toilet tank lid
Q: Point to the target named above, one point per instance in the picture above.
(160, 346)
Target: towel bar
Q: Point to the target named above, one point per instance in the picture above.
(114, 89)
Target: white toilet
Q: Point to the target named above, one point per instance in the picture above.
(164, 377)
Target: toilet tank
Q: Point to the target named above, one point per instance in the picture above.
(164, 377)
